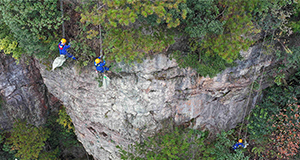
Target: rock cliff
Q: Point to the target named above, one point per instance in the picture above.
(23, 93)
(140, 97)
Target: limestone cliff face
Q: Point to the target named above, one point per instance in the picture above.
(23, 93)
(140, 97)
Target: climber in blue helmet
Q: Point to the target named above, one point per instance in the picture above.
(62, 48)
(100, 65)
(238, 144)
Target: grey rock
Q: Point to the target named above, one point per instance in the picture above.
(139, 98)
(23, 93)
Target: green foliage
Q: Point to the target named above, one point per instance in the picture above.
(130, 45)
(82, 46)
(8, 45)
(274, 120)
(200, 22)
(258, 150)
(184, 144)
(99, 79)
(7, 42)
(32, 24)
(290, 60)
(1, 102)
(125, 12)
(176, 144)
(5, 152)
(114, 68)
(279, 79)
(124, 38)
(223, 146)
(28, 140)
(65, 120)
(204, 64)
(237, 28)
(52, 155)
(216, 30)
(294, 21)
(219, 30)
(61, 139)
(200, 18)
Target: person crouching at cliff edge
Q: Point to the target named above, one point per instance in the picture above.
(62, 48)
(100, 65)
(239, 144)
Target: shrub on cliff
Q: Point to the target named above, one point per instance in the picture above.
(27, 140)
(8, 43)
(173, 144)
(128, 36)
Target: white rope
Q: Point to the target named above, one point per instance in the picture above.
(100, 40)
(251, 89)
(99, 7)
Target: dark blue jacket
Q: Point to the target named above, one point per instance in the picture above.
(237, 145)
(62, 50)
(101, 66)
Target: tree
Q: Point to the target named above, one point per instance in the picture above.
(27, 139)
(173, 144)
(33, 24)
(275, 120)
(8, 44)
(129, 36)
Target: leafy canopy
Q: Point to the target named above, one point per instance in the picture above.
(28, 140)
(176, 144)
(32, 24)
(128, 36)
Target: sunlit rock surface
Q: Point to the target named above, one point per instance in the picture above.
(140, 97)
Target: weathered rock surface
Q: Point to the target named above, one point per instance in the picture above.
(23, 93)
(140, 97)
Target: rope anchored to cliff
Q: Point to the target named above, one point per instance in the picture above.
(62, 45)
(237, 145)
(62, 17)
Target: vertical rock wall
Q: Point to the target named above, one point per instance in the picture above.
(23, 93)
(140, 97)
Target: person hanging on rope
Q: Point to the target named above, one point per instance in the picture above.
(62, 49)
(100, 65)
(238, 144)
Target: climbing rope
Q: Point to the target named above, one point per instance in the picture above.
(99, 7)
(251, 89)
(62, 16)
(100, 40)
